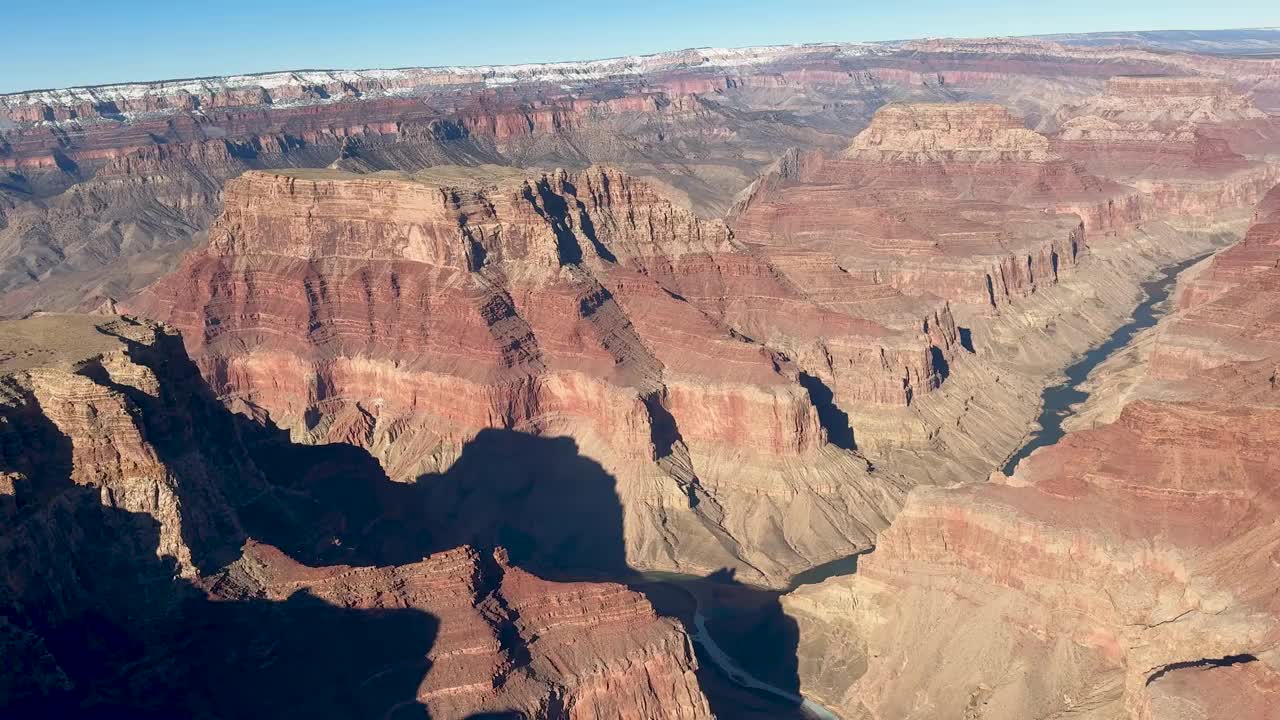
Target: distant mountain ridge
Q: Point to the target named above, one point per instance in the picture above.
(1239, 41)
(1244, 41)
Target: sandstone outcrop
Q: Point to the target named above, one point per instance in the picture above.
(705, 122)
(140, 575)
(1126, 571)
(952, 132)
(1168, 131)
(405, 315)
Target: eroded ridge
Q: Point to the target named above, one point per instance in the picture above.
(1124, 570)
(142, 521)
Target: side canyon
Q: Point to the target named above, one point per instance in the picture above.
(676, 386)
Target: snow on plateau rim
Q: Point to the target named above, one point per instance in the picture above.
(488, 74)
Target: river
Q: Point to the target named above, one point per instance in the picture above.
(693, 587)
(1059, 401)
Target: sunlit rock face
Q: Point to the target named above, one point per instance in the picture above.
(956, 132)
(774, 290)
(406, 314)
(1191, 144)
(1127, 571)
(138, 526)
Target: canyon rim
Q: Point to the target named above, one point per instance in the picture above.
(872, 381)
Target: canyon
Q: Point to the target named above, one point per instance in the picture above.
(140, 510)
(1134, 557)
(701, 384)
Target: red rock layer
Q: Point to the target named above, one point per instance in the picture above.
(961, 201)
(1230, 309)
(406, 315)
(1166, 128)
(1254, 256)
(1126, 571)
(931, 199)
(125, 495)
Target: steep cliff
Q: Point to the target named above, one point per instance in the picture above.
(704, 121)
(144, 571)
(1127, 571)
(1166, 133)
(407, 314)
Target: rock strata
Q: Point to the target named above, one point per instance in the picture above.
(375, 310)
(141, 575)
(1122, 572)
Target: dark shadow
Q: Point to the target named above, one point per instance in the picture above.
(1205, 663)
(834, 420)
(750, 626)
(555, 511)
(95, 625)
(941, 367)
(135, 641)
(966, 339)
(552, 206)
(476, 255)
(65, 163)
(747, 624)
(587, 224)
(662, 426)
(846, 565)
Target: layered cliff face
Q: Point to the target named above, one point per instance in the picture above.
(959, 201)
(1229, 310)
(405, 315)
(952, 200)
(954, 132)
(131, 198)
(1170, 101)
(1165, 128)
(130, 585)
(1127, 571)
(914, 231)
(705, 122)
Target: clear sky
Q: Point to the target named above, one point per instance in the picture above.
(57, 43)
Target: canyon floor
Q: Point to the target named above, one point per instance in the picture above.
(930, 379)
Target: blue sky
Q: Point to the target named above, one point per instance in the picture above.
(55, 43)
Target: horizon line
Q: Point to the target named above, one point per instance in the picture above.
(492, 66)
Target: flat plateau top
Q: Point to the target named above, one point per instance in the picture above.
(435, 176)
(54, 340)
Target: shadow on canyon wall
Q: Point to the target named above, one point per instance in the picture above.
(555, 511)
(94, 624)
(131, 639)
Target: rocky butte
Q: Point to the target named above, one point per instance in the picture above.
(538, 391)
(1128, 570)
(139, 527)
(407, 314)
